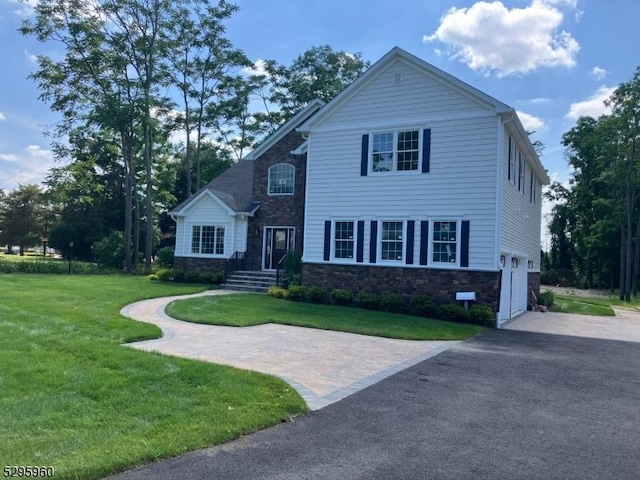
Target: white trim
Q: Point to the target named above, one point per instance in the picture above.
(498, 210)
(197, 201)
(443, 265)
(285, 129)
(379, 259)
(394, 159)
(347, 261)
(306, 200)
(399, 265)
(189, 244)
(287, 194)
(263, 257)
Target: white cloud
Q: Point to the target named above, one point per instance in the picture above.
(26, 7)
(599, 73)
(31, 57)
(258, 68)
(29, 166)
(490, 38)
(593, 106)
(532, 123)
(2, 116)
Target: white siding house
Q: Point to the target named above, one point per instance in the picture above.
(408, 171)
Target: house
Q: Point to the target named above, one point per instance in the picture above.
(409, 181)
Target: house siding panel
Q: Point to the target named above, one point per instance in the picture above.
(461, 185)
(206, 212)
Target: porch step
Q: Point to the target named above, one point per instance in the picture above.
(250, 281)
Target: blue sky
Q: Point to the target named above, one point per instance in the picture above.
(552, 60)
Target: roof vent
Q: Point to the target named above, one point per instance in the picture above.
(397, 78)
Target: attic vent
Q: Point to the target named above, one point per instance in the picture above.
(397, 78)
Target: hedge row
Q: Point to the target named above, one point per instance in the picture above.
(420, 305)
(50, 267)
(180, 276)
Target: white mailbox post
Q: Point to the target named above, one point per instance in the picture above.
(466, 297)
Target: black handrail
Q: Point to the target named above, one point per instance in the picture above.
(235, 262)
(279, 267)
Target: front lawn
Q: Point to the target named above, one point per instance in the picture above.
(74, 398)
(581, 305)
(244, 310)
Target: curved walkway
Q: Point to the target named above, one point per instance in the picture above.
(323, 366)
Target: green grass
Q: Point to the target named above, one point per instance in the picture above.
(582, 305)
(244, 310)
(73, 397)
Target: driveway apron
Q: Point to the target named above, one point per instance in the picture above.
(323, 366)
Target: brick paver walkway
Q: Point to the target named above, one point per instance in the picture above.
(323, 366)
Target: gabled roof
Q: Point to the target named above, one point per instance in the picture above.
(233, 187)
(292, 123)
(394, 54)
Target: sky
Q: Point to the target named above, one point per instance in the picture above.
(552, 60)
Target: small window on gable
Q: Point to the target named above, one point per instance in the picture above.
(281, 179)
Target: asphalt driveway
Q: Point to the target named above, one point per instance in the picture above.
(504, 405)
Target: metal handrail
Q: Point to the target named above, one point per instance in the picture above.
(279, 267)
(237, 261)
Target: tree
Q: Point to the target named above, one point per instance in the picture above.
(23, 217)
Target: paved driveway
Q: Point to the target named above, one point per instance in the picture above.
(624, 326)
(323, 366)
(504, 405)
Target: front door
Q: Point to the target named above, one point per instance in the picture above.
(278, 240)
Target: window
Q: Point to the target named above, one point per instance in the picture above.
(532, 189)
(281, 179)
(521, 177)
(207, 240)
(343, 240)
(392, 241)
(396, 151)
(445, 242)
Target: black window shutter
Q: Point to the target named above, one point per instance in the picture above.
(424, 242)
(509, 160)
(426, 149)
(373, 242)
(364, 161)
(360, 242)
(464, 245)
(411, 225)
(327, 240)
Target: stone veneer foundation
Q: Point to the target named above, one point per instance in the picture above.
(441, 285)
(195, 264)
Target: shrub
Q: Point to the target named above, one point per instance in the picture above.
(277, 292)
(422, 305)
(165, 257)
(178, 275)
(165, 274)
(546, 298)
(317, 294)
(341, 296)
(453, 312)
(559, 276)
(482, 315)
(108, 252)
(214, 278)
(153, 277)
(392, 302)
(297, 293)
(192, 277)
(372, 301)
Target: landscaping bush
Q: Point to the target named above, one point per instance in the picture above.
(453, 312)
(317, 294)
(165, 257)
(192, 277)
(214, 278)
(341, 296)
(165, 274)
(482, 315)
(392, 302)
(372, 301)
(178, 275)
(56, 267)
(153, 277)
(546, 298)
(297, 293)
(277, 292)
(422, 305)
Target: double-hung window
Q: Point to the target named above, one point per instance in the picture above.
(445, 242)
(207, 240)
(397, 151)
(392, 241)
(521, 173)
(344, 240)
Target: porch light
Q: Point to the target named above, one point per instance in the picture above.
(514, 263)
(530, 264)
(503, 261)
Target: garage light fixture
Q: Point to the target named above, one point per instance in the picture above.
(514, 263)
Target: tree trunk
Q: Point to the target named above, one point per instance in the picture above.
(127, 149)
(622, 262)
(636, 260)
(136, 233)
(148, 250)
